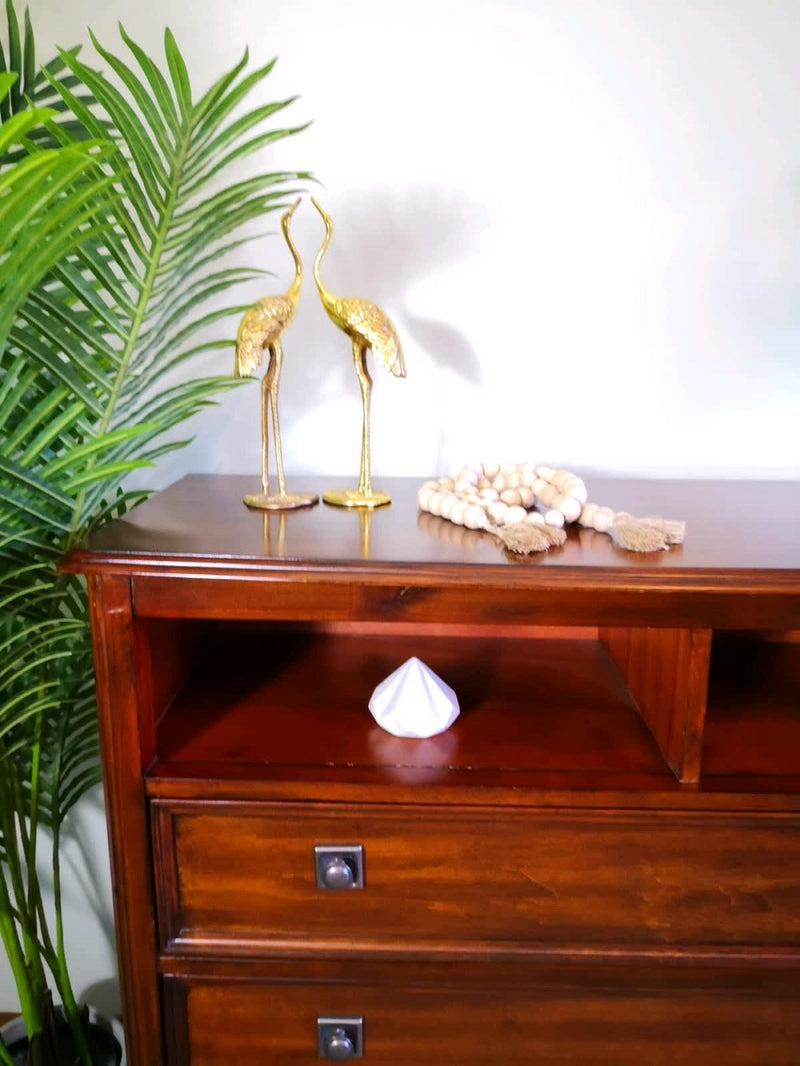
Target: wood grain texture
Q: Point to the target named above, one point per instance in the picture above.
(592, 878)
(299, 698)
(540, 886)
(196, 551)
(459, 1022)
(666, 672)
(753, 720)
(202, 517)
(131, 861)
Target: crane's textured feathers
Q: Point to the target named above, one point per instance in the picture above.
(363, 321)
(261, 325)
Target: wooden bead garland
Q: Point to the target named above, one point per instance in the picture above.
(527, 507)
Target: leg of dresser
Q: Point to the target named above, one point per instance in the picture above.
(123, 767)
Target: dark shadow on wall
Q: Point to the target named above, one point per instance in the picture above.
(384, 245)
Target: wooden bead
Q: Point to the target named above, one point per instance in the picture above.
(497, 512)
(458, 512)
(448, 504)
(603, 518)
(554, 518)
(435, 502)
(511, 497)
(474, 517)
(527, 475)
(570, 508)
(515, 514)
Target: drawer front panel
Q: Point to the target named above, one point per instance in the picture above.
(246, 872)
(211, 1022)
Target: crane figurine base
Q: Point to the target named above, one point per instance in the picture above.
(287, 501)
(355, 498)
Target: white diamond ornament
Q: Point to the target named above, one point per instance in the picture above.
(414, 702)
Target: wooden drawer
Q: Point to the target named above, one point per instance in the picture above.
(241, 876)
(274, 1023)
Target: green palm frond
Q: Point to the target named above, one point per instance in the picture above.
(177, 227)
(119, 227)
(32, 85)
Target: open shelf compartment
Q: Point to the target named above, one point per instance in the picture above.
(552, 708)
(752, 728)
(266, 697)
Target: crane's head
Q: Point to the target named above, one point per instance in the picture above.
(287, 215)
(325, 218)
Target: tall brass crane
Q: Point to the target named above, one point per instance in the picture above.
(261, 329)
(368, 328)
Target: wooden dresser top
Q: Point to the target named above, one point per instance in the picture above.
(733, 527)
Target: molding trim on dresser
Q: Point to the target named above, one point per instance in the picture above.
(598, 862)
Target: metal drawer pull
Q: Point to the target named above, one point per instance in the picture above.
(340, 1039)
(339, 866)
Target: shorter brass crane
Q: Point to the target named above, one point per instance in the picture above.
(368, 328)
(261, 329)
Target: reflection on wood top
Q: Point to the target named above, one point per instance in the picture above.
(731, 526)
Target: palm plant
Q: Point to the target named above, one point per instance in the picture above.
(117, 223)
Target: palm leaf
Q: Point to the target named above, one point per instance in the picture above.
(116, 210)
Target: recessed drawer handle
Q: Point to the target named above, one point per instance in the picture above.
(338, 867)
(340, 1039)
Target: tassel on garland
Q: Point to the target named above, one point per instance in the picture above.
(524, 538)
(527, 507)
(646, 534)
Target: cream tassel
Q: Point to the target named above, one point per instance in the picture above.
(646, 534)
(526, 537)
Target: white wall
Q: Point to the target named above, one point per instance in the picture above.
(583, 216)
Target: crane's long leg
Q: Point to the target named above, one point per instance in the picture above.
(363, 496)
(365, 381)
(269, 406)
(272, 378)
(265, 435)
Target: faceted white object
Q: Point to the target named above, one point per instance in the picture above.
(414, 702)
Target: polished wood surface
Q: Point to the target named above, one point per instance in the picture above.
(123, 760)
(465, 1021)
(472, 879)
(202, 516)
(753, 720)
(598, 862)
(666, 672)
(396, 563)
(298, 699)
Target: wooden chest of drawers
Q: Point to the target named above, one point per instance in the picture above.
(599, 863)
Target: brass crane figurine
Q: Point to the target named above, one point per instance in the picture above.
(261, 329)
(368, 328)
